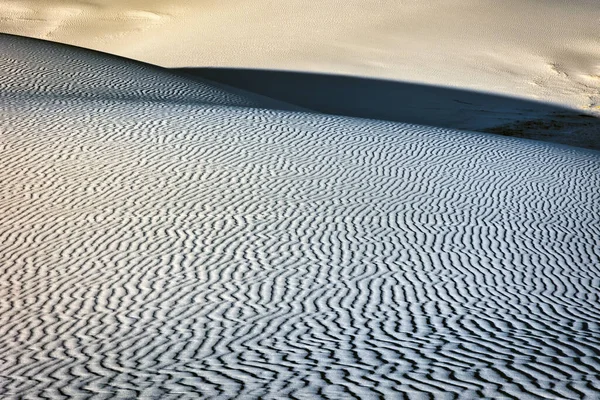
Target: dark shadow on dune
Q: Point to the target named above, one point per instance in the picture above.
(414, 103)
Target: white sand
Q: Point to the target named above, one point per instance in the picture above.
(161, 240)
(547, 50)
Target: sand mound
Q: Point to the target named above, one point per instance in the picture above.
(189, 249)
(57, 73)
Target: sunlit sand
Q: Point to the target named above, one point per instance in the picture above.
(361, 199)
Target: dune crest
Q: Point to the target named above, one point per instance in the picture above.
(502, 47)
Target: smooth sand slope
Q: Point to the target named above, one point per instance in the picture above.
(539, 49)
(159, 239)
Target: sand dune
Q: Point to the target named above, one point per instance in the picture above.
(54, 76)
(544, 50)
(414, 103)
(159, 239)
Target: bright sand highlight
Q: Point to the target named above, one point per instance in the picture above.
(545, 50)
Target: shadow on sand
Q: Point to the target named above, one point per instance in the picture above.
(414, 103)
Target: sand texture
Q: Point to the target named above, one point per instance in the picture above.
(414, 103)
(546, 50)
(162, 238)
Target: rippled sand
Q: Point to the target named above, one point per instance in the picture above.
(165, 238)
(545, 50)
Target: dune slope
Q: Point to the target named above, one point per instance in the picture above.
(544, 50)
(165, 248)
(59, 73)
(418, 104)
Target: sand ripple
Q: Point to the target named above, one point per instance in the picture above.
(168, 247)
